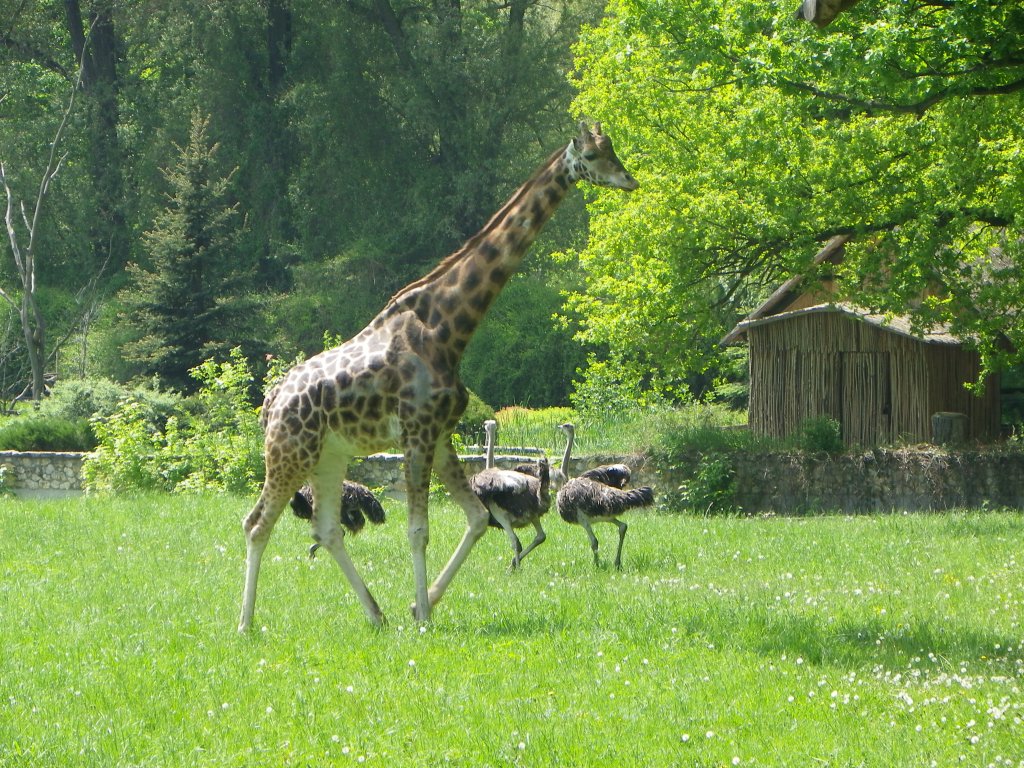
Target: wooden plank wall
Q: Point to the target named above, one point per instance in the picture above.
(881, 386)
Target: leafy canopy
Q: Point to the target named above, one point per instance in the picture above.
(757, 138)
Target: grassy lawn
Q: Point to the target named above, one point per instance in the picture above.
(825, 641)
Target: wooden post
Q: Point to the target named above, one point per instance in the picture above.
(949, 428)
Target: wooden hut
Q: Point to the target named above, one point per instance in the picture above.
(881, 381)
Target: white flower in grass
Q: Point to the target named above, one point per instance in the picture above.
(684, 738)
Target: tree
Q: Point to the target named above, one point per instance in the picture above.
(185, 302)
(758, 137)
(30, 313)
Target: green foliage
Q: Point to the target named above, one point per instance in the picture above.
(219, 446)
(822, 434)
(756, 137)
(711, 489)
(358, 167)
(89, 398)
(519, 327)
(46, 433)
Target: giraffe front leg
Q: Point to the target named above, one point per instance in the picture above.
(327, 530)
(417, 483)
(454, 478)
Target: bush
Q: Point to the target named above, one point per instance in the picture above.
(821, 434)
(47, 433)
(89, 398)
(471, 426)
(712, 487)
(212, 441)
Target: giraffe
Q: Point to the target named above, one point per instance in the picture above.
(396, 382)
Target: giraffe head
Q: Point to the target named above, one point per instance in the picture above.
(592, 158)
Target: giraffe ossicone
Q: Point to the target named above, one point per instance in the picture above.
(396, 383)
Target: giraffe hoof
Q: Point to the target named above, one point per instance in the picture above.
(417, 616)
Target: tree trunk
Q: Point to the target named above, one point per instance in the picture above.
(97, 51)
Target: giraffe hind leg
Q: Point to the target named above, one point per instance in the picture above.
(258, 525)
(454, 479)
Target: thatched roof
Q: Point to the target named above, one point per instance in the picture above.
(897, 324)
(797, 297)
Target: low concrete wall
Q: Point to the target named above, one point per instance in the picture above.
(879, 480)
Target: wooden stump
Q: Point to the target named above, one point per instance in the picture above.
(949, 428)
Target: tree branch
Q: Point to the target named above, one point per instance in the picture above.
(917, 108)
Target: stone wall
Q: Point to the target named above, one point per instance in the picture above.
(36, 471)
(879, 480)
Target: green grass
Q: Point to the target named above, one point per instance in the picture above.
(821, 641)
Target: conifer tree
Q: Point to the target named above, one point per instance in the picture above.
(183, 302)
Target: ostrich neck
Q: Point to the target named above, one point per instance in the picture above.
(568, 452)
(489, 460)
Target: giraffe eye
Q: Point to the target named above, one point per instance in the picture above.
(590, 156)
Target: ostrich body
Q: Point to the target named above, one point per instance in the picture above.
(615, 475)
(585, 500)
(513, 499)
(357, 504)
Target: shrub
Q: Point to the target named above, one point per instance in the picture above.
(712, 487)
(213, 440)
(47, 433)
(821, 434)
(472, 423)
(88, 398)
(83, 398)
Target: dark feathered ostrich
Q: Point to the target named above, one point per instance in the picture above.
(357, 504)
(598, 496)
(615, 475)
(514, 499)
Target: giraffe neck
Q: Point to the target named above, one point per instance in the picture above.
(452, 299)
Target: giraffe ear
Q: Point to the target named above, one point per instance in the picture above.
(580, 141)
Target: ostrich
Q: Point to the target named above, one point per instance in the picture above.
(584, 500)
(513, 499)
(357, 504)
